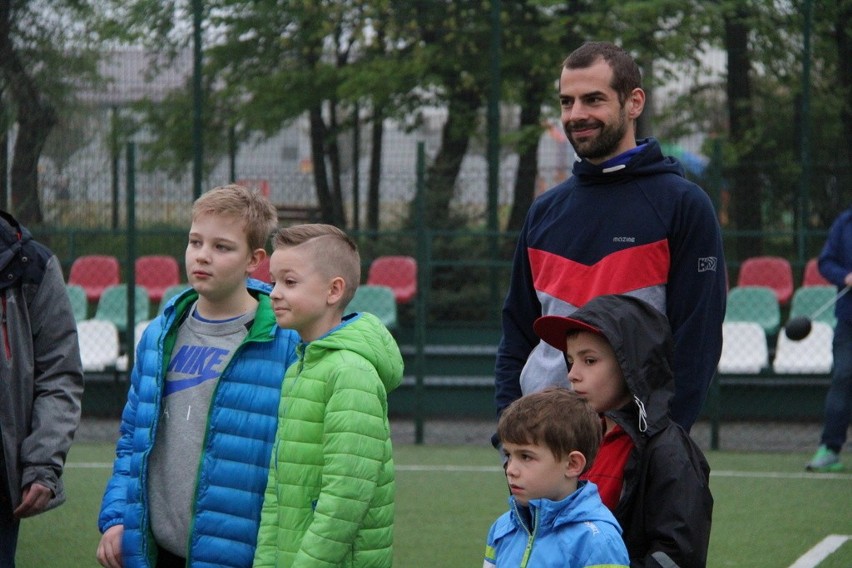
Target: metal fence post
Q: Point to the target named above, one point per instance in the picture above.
(131, 255)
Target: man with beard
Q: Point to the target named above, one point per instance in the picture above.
(626, 222)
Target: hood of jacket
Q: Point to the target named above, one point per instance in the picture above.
(364, 334)
(647, 161)
(641, 338)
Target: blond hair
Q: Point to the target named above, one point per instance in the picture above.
(334, 252)
(240, 202)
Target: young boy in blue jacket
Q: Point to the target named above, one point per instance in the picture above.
(549, 439)
(201, 412)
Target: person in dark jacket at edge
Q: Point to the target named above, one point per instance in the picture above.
(42, 381)
(649, 471)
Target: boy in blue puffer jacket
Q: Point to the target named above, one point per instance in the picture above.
(197, 429)
(549, 439)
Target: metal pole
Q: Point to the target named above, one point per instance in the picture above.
(131, 254)
(805, 158)
(420, 299)
(494, 148)
(197, 102)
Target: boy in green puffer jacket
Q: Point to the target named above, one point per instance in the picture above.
(330, 496)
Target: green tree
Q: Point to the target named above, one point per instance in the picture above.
(46, 49)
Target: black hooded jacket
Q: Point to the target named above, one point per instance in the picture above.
(666, 506)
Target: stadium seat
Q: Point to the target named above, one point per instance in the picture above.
(94, 273)
(810, 355)
(262, 271)
(99, 345)
(809, 299)
(757, 304)
(773, 272)
(377, 300)
(113, 305)
(79, 302)
(169, 293)
(399, 273)
(744, 348)
(156, 273)
(812, 275)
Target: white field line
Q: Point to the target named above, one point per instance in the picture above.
(497, 469)
(821, 551)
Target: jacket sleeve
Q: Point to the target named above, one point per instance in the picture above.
(58, 383)
(834, 260)
(115, 495)
(520, 309)
(696, 300)
(355, 441)
(678, 506)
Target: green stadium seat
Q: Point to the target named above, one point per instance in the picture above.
(79, 302)
(169, 293)
(757, 304)
(809, 299)
(377, 300)
(112, 305)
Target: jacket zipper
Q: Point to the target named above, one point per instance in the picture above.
(530, 535)
(6, 345)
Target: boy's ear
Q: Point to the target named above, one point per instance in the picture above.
(575, 464)
(336, 290)
(257, 256)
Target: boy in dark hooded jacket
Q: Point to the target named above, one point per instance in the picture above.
(649, 471)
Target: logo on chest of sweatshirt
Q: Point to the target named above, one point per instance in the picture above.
(708, 263)
(624, 239)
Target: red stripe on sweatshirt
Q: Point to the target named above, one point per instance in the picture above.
(623, 271)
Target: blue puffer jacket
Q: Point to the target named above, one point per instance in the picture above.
(576, 532)
(235, 457)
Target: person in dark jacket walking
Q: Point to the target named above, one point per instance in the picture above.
(835, 264)
(42, 381)
(649, 472)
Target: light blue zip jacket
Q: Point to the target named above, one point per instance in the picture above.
(576, 532)
(235, 456)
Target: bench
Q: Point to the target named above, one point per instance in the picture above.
(292, 214)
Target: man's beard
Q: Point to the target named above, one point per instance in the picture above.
(605, 144)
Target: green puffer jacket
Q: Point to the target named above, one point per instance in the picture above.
(330, 496)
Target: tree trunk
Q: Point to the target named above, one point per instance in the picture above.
(318, 154)
(442, 174)
(36, 117)
(338, 216)
(746, 193)
(527, 174)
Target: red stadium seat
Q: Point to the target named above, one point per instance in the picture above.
(399, 273)
(812, 276)
(94, 272)
(156, 273)
(770, 271)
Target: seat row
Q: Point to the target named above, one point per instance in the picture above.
(745, 351)
(97, 272)
(776, 273)
(759, 304)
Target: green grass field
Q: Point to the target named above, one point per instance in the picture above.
(768, 512)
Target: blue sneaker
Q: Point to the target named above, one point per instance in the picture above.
(825, 460)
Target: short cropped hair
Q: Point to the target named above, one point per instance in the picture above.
(334, 252)
(555, 417)
(625, 72)
(240, 202)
